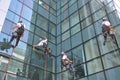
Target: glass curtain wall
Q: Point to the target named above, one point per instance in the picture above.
(72, 26)
(79, 34)
(24, 62)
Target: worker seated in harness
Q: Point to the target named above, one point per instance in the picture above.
(107, 29)
(18, 33)
(66, 61)
(41, 43)
(44, 44)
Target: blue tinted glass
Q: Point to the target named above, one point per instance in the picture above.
(76, 39)
(113, 74)
(7, 27)
(15, 6)
(13, 17)
(25, 11)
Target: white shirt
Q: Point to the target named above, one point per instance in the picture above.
(19, 25)
(107, 23)
(64, 57)
(41, 42)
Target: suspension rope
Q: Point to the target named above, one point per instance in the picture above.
(21, 10)
(7, 66)
(10, 58)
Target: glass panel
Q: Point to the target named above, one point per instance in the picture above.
(76, 39)
(36, 39)
(51, 64)
(58, 19)
(22, 52)
(50, 76)
(27, 37)
(58, 5)
(71, 2)
(63, 2)
(16, 66)
(13, 17)
(4, 47)
(74, 19)
(42, 22)
(29, 3)
(88, 33)
(64, 8)
(15, 77)
(32, 27)
(82, 3)
(58, 64)
(86, 22)
(91, 49)
(98, 26)
(94, 66)
(53, 18)
(72, 8)
(114, 19)
(95, 5)
(52, 28)
(7, 27)
(53, 4)
(65, 35)
(45, 6)
(52, 47)
(66, 75)
(66, 45)
(65, 25)
(108, 47)
(58, 29)
(78, 55)
(58, 12)
(98, 76)
(117, 35)
(80, 71)
(25, 11)
(43, 12)
(113, 74)
(75, 29)
(83, 78)
(107, 1)
(35, 73)
(3, 62)
(46, 1)
(52, 38)
(111, 60)
(15, 6)
(58, 49)
(110, 7)
(84, 12)
(37, 58)
(64, 15)
(52, 11)
(99, 14)
(33, 18)
(40, 32)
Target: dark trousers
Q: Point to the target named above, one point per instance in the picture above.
(45, 45)
(106, 33)
(17, 39)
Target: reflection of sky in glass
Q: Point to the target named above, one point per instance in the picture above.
(117, 6)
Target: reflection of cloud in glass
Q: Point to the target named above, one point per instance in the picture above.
(117, 6)
(40, 2)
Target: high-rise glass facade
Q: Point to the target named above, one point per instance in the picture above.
(72, 26)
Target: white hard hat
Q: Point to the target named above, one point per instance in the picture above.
(62, 52)
(104, 19)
